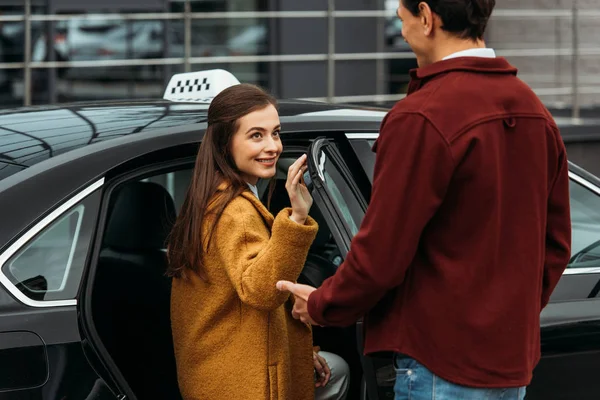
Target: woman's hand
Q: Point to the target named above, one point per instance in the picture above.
(300, 198)
(322, 370)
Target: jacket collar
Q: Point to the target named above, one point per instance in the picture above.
(258, 205)
(497, 65)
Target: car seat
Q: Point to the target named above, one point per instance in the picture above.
(131, 296)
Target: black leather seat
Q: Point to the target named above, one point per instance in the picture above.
(131, 297)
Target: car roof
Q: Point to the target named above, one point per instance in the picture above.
(30, 135)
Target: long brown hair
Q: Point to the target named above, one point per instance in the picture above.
(214, 166)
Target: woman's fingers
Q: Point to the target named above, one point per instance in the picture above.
(298, 178)
(299, 197)
(327, 371)
(320, 369)
(303, 171)
(293, 188)
(297, 165)
(323, 370)
(294, 183)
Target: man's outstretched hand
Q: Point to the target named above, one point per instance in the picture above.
(301, 294)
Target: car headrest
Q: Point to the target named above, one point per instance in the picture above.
(141, 218)
(281, 200)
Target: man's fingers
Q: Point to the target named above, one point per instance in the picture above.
(301, 292)
(286, 286)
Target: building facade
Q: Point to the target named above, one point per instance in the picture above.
(329, 50)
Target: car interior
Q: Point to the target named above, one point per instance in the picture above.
(131, 294)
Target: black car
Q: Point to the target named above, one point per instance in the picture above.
(87, 195)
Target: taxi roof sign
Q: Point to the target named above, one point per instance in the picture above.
(199, 87)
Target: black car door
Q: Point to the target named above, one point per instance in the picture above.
(337, 195)
(42, 352)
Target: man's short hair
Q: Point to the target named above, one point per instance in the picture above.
(464, 18)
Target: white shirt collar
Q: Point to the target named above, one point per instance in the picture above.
(253, 188)
(477, 52)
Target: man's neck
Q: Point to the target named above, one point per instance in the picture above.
(454, 46)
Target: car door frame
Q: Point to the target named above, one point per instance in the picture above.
(341, 232)
(114, 178)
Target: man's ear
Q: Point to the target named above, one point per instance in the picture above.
(427, 18)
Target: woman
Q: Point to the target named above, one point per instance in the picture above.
(233, 332)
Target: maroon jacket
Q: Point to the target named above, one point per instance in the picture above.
(468, 230)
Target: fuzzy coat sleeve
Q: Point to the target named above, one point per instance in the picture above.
(254, 261)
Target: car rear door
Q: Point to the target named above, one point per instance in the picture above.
(42, 352)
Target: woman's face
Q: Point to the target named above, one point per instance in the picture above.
(256, 145)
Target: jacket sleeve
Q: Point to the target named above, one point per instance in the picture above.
(558, 227)
(413, 169)
(254, 262)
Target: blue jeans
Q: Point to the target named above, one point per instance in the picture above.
(415, 382)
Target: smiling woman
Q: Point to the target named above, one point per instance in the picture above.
(256, 145)
(228, 140)
(233, 334)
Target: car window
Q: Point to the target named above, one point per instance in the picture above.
(585, 222)
(340, 193)
(50, 265)
(364, 152)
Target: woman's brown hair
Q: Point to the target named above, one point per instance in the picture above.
(214, 166)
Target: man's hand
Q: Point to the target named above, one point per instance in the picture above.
(301, 294)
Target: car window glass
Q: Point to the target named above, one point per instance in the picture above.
(585, 222)
(340, 193)
(364, 152)
(50, 266)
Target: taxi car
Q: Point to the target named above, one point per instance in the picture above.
(88, 192)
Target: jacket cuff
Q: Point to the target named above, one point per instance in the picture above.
(300, 235)
(313, 307)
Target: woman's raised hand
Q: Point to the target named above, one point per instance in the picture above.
(300, 197)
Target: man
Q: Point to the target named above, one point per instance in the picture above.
(468, 229)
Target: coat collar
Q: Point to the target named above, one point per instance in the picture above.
(258, 205)
(498, 65)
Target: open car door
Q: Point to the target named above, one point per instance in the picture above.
(337, 195)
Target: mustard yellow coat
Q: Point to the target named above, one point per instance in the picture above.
(234, 336)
